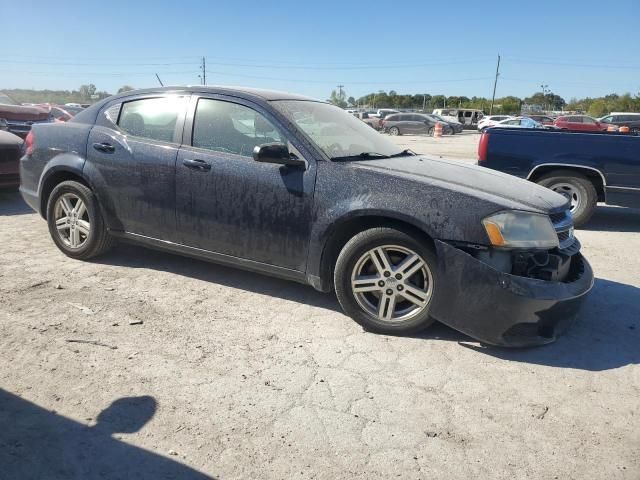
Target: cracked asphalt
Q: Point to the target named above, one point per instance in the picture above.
(143, 364)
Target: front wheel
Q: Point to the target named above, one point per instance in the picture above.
(578, 189)
(75, 221)
(385, 280)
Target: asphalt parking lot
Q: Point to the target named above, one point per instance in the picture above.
(168, 367)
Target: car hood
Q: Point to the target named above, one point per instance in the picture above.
(23, 113)
(504, 190)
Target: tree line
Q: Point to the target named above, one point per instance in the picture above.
(84, 94)
(596, 107)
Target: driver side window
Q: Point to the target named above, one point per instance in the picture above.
(228, 127)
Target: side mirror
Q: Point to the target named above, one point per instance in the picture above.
(276, 153)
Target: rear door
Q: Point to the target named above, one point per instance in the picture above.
(131, 157)
(230, 204)
(575, 123)
(404, 123)
(413, 124)
(590, 125)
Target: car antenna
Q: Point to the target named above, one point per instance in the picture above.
(161, 84)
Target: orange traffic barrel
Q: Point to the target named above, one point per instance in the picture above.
(437, 131)
(623, 129)
(612, 128)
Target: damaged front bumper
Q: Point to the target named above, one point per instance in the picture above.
(503, 309)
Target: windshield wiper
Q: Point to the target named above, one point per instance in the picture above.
(404, 152)
(361, 156)
(372, 155)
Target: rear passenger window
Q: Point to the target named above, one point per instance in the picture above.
(231, 128)
(153, 118)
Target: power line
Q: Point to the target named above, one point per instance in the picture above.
(253, 65)
(330, 82)
(580, 65)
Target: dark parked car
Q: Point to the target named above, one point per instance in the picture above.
(543, 119)
(285, 185)
(10, 146)
(456, 127)
(631, 120)
(412, 124)
(19, 118)
(584, 167)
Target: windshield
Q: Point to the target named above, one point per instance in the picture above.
(338, 134)
(6, 100)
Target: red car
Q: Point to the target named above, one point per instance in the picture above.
(10, 146)
(581, 123)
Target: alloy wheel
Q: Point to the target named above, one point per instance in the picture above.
(72, 220)
(392, 283)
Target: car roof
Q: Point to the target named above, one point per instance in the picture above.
(264, 94)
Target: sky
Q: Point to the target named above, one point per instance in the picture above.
(577, 48)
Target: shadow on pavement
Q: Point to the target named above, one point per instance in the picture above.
(36, 443)
(606, 334)
(133, 256)
(11, 203)
(614, 219)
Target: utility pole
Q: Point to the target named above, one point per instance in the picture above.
(161, 84)
(424, 102)
(340, 87)
(495, 84)
(203, 67)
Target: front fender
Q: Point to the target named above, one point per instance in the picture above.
(338, 216)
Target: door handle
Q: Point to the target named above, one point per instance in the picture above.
(104, 147)
(197, 164)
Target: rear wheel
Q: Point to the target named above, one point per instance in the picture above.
(431, 131)
(385, 279)
(578, 189)
(75, 221)
(394, 131)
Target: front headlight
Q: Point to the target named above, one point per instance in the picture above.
(515, 229)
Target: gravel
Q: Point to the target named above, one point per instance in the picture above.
(230, 374)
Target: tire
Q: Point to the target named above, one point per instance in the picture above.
(394, 131)
(635, 131)
(92, 238)
(578, 188)
(407, 316)
(431, 131)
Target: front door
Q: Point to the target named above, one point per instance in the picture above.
(230, 204)
(131, 155)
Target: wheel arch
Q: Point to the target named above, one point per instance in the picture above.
(55, 176)
(595, 176)
(343, 229)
